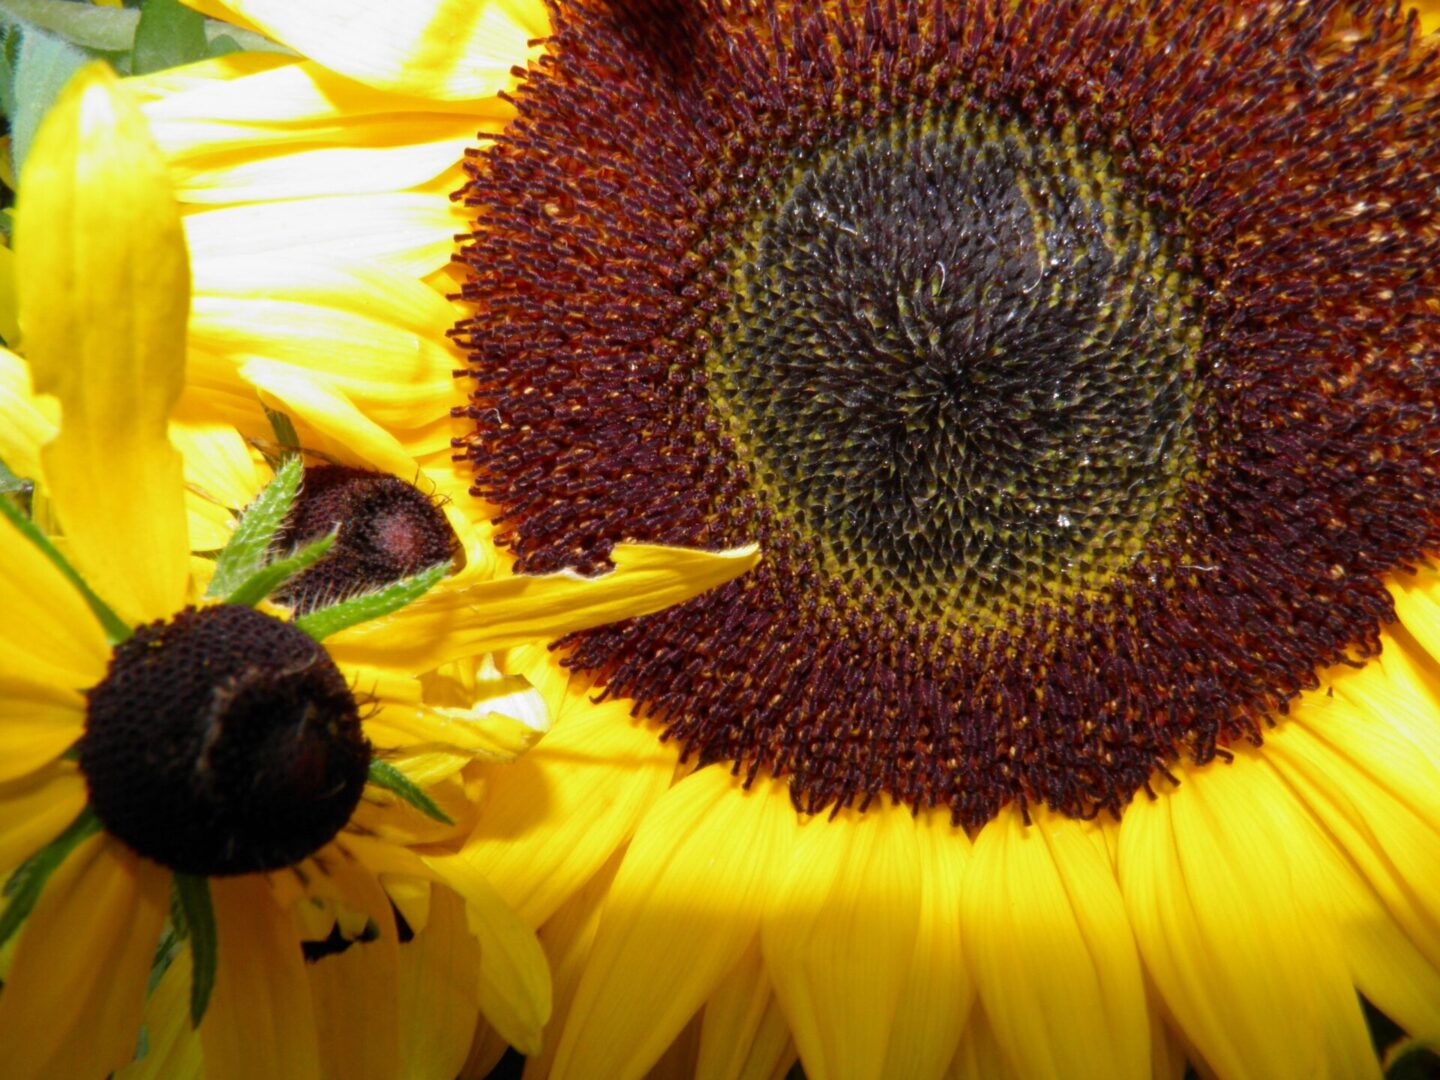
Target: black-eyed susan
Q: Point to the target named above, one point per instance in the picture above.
(190, 796)
(1076, 363)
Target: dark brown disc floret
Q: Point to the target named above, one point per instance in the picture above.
(1076, 365)
(223, 741)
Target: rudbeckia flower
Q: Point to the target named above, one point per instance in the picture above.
(189, 790)
(1075, 363)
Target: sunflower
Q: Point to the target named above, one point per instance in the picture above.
(127, 678)
(1075, 365)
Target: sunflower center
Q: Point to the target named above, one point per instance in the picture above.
(387, 529)
(955, 353)
(223, 742)
(1074, 365)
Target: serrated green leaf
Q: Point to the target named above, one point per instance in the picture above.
(116, 629)
(249, 544)
(43, 67)
(269, 578)
(323, 622)
(87, 26)
(193, 894)
(386, 776)
(169, 35)
(28, 881)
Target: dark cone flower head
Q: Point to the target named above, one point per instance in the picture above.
(223, 741)
(1077, 366)
(388, 530)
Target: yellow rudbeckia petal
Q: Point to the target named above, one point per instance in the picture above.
(438, 993)
(1050, 943)
(37, 809)
(104, 294)
(260, 1021)
(38, 723)
(447, 624)
(514, 989)
(174, 1048)
(1213, 875)
(73, 997)
(847, 907)
(682, 910)
(49, 636)
(442, 49)
(26, 422)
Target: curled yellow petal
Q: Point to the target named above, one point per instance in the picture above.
(448, 624)
(104, 289)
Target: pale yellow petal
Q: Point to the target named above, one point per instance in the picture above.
(847, 914)
(35, 809)
(97, 230)
(514, 987)
(1248, 962)
(260, 1021)
(49, 637)
(448, 624)
(445, 49)
(26, 422)
(1050, 944)
(938, 990)
(438, 992)
(73, 997)
(682, 910)
(553, 818)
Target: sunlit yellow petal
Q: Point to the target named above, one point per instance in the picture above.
(448, 49)
(38, 723)
(26, 422)
(1213, 873)
(438, 992)
(1050, 944)
(260, 1021)
(846, 914)
(104, 293)
(514, 988)
(49, 636)
(72, 1000)
(447, 624)
(35, 809)
(682, 910)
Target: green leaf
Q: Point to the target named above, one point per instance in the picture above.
(28, 881)
(116, 629)
(43, 67)
(223, 45)
(87, 26)
(386, 776)
(10, 484)
(166, 950)
(169, 35)
(323, 622)
(193, 894)
(249, 544)
(269, 578)
(284, 429)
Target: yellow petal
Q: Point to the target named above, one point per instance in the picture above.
(38, 723)
(104, 294)
(439, 995)
(733, 1016)
(73, 998)
(35, 809)
(514, 987)
(1429, 15)
(444, 49)
(1050, 943)
(49, 637)
(1249, 964)
(847, 914)
(174, 1047)
(682, 910)
(26, 422)
(1417, 602)
(260, 1021)
(9, 305)
(979, 1056)
(553, 818)
(937, 994)
(447, 624)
